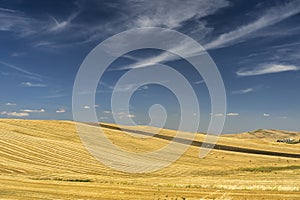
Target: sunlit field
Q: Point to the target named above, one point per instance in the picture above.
(46, 160)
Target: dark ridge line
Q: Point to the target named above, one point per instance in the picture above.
(199, 144)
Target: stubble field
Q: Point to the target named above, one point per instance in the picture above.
(47, 160)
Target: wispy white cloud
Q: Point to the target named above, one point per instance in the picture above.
(222, 115)
(266, 115)
(29, 84)
(131, 116)
(119, 115)
(44, 44)
(15, 21)
(233, 114)
(145, 87)
(293, 44)
(132, 14)
(22, 70)
(61, 111)
(15, 114)
(46, 31)
(33, 111)
(17, 54)
(58, 26)
(10, 104)
(171, 13)
(56, 94)
(243, 91)
(58, 33)
(199, 82)
(217, 114)
(124, 115)
(185, 47)
(270, 17)
(7, 10)
(4, 73)
(25, 25)
(267, 69)
(125, 87)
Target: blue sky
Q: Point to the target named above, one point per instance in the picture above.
(255, 45)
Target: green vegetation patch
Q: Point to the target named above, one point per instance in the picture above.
(270, 169)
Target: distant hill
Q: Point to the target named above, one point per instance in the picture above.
(266, 135)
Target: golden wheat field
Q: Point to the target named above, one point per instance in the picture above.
(46, 160)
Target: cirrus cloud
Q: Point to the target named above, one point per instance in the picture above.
(29, 84)
(271, 16)
(10, 104)
(267, 69)
(243, 91)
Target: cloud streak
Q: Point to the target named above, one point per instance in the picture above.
(58, 26)
(61, 111)
(15, 21)
(33, 111)
(267, 69)
(233, 114)
(46, 31)
(10, 104)
(243, 91)
(15, 114)
(21, 70)
(270, 17)
(29, 84)
(171, 14)
(185, 47)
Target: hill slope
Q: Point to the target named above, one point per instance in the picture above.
(46, 159)
(267, 135)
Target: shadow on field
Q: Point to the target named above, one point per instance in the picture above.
(199, 144)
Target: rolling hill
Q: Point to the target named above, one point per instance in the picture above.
(47, 160)
(267, 135)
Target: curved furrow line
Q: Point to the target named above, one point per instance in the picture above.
(41, 165)
(76, 163)
(25, 130)
(45, 160)
(40, 159)
(24, 160)
(67, 151)
(52, 147)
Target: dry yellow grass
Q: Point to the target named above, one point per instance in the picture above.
(46, 160)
